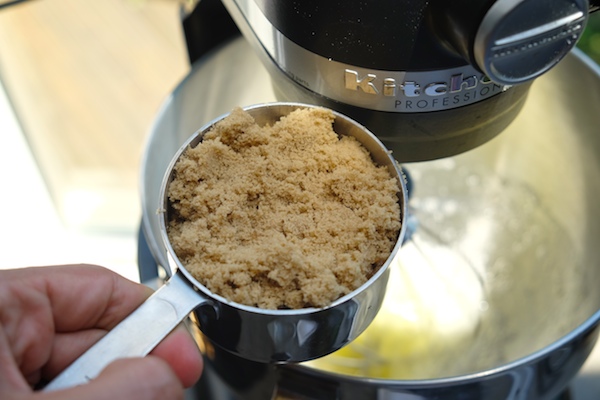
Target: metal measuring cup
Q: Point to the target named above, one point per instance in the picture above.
(262, 335)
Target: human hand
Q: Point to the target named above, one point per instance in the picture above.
(50, 315)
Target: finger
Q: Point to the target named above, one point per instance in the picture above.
(79, 296)
(67, 348)
(148, 378)
(86, 296)
(67, 299)
(180, 351)
(10, 375)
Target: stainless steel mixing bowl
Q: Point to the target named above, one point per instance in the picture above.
(518, 218)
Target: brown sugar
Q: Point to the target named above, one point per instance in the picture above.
(282, 216)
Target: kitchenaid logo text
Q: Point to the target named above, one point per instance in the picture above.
(410, 96)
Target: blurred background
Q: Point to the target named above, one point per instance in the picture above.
(81, 82)
(590, 40)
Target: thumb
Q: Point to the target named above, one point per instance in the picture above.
(145, 378)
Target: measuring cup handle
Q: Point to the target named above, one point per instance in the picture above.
(137, 334)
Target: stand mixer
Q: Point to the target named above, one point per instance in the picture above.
(432, 78)
(495, 294)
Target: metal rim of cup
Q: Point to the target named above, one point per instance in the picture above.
(196, 138)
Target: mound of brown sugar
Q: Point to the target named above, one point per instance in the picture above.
(283, 216)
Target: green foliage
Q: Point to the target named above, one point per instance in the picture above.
(590, 40)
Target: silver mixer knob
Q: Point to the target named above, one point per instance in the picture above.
(518, 40)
